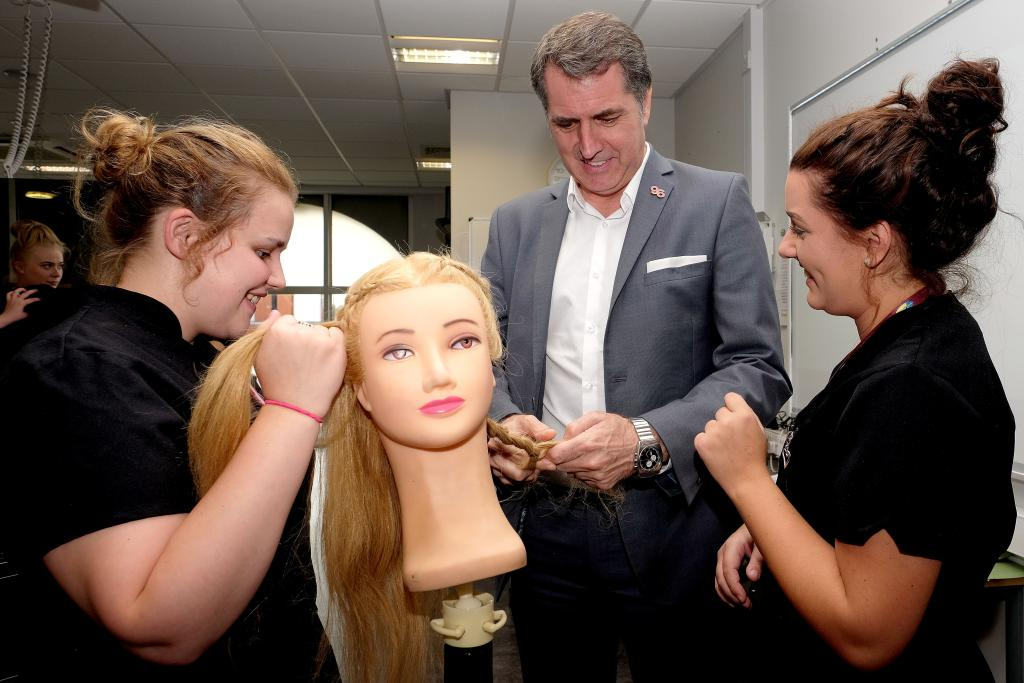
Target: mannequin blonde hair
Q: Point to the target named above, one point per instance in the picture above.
(384, 628)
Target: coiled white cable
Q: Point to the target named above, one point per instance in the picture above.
(21, 137)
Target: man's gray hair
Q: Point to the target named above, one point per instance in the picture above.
(588, 44)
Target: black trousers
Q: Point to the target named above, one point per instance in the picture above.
(578, 598)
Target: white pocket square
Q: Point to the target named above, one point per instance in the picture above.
(675, 262)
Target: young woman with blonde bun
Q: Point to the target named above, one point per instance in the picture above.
(37, 260)
(132, 576)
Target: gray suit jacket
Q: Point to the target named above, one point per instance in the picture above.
(677, 340)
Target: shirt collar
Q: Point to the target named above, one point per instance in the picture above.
(576, 200)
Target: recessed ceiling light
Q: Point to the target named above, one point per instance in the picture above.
(55, 168)
(419, 55)
(492, 41)
(434, 164)
(41, 194)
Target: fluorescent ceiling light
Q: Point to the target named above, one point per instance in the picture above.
(492, 41)
(40, 194)
(56, 168)
(434, 164)
(417, 55)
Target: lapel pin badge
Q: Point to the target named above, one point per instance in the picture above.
(657, 192)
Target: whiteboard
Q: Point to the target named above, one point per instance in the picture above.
(979, 28)
(470, 240)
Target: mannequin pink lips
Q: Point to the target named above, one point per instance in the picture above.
(448, 404)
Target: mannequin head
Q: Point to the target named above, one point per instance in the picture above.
(384, 626)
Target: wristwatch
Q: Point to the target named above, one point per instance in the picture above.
(648, 457)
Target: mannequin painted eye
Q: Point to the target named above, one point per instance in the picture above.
(398, 354)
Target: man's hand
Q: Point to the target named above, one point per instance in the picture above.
(597, 449)
(507, 461)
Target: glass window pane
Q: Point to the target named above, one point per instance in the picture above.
(305, 307)
(355, 248)
(303, 260)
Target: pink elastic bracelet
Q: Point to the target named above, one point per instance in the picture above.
(289, 406)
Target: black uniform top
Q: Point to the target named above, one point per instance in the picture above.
(95, 412)
(912, 435)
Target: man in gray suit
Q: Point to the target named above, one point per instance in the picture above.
(631, 297)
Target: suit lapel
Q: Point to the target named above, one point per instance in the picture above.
(549, 243)
(646, 211)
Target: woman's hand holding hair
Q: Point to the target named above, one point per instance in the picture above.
(733, 445)
(301, 364)
(728, 581)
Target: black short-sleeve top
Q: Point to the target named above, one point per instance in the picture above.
(913, 434)
(97, 411)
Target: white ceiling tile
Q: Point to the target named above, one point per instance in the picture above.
(131, 76)
(394, 150)
(379, 164)
(237, 80)
(433, 86)
(388, 178)
(81, 40)
(427, 113)
(209, 13)
(517, 59)
(56, 77)
(326, 16)
(261, 107)
(675, 64)
(533, 18)
(516, 84)
(167, 106)
(63, 11)
(307, 148)
(327, 178)
(373, 85)
(215, 46)
(73, 101)
(357, 111)
(330, 51)
(318, 164)
(367, 132)
(285, 130)
(679, 23)
(446, 18)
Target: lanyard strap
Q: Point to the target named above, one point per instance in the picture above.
(915, 299)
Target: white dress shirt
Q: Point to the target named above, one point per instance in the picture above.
(581, 296)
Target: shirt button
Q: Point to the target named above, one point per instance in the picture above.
(595, 275)
(590, 328)
(588, 386)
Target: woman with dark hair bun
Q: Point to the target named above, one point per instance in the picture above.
(894, 500)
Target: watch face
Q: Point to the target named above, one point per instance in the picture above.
(649, 458)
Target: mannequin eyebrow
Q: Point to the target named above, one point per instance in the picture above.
(461, 320)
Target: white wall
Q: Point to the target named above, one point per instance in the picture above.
(712, 112)
(501, 149)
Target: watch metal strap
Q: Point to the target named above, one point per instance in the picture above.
(643, 430)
